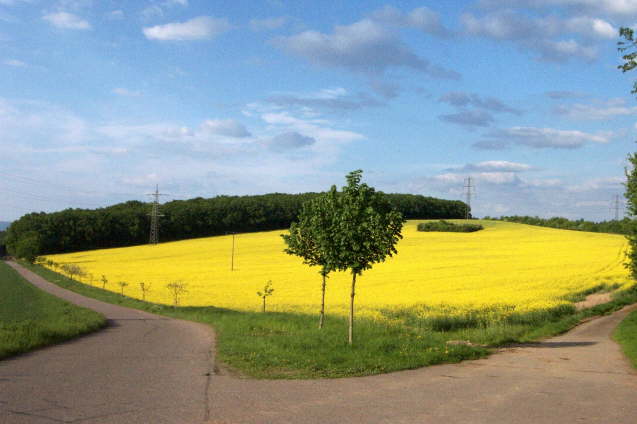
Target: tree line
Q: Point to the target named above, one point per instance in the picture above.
(622, 226)
(3, 247)
(128, 223)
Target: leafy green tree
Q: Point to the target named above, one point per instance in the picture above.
(127, 223)
(631, 208)
(305, 238)
(628, 46)
(267, 291)
(366, 230)
(27, 247)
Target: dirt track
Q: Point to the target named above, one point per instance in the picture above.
(147, 369)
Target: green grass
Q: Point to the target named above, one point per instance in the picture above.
(288, 345)
(626, 336)
(31, 318)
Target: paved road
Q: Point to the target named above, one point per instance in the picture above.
(580, 377)
(141, 369)
(146, 369)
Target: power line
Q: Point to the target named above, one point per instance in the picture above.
(469, 192)
(154, 216)
(616, 207)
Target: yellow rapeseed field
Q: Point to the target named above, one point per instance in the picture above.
(506, 266)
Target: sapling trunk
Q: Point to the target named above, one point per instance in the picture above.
(322, 315)
(351, 309)
(263, 303)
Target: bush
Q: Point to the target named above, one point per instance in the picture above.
(447, 226)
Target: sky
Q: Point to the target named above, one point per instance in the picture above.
(102, 101)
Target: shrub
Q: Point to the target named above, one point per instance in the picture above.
(447, 226)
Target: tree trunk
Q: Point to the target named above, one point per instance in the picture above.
(263, 303)
(351, 310)
(322, 315)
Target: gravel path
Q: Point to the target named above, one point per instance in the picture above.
(148, 369)
(142, 368)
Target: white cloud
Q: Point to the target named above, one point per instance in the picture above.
(268, 24)
(608, 183)
(318, 129)
(158, 9)
(284, 153)
(540, 138)
(607, 7)
(15, 62)
(591, 26)
(335, 99)
(496, 166)
(225, 127)
(421, 18)
(469, 118)
(549, 36)
(364, 46)
(607, 110)
(463, 99)
(200, 28)
(67, 20)
(289, 141)
(479, 177)
(37, 125)
(562, 50)
(564, 94)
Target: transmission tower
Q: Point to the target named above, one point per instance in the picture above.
(154, 216)
(469, 192)
(616, 207)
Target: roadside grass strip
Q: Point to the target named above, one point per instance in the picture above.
(279, 345)
(31, 318)
(626, 336)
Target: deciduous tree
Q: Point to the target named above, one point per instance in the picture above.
(366, 231)
(628, 46)
(631, 208)
(306, 237)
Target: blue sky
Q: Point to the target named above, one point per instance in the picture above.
(102, 100)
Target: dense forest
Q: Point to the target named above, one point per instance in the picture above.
(128, 223)
(615, 226)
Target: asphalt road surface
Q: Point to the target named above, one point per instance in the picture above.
(142, 368)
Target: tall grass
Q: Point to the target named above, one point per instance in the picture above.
(31, 318)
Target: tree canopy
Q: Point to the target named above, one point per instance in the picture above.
(628, 46)
(127, 224)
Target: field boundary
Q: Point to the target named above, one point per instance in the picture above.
(287, 346)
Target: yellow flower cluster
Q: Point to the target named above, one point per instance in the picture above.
(503, 267)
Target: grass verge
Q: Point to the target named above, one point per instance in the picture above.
(31, 318)
(289, 345)
(626, 336)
